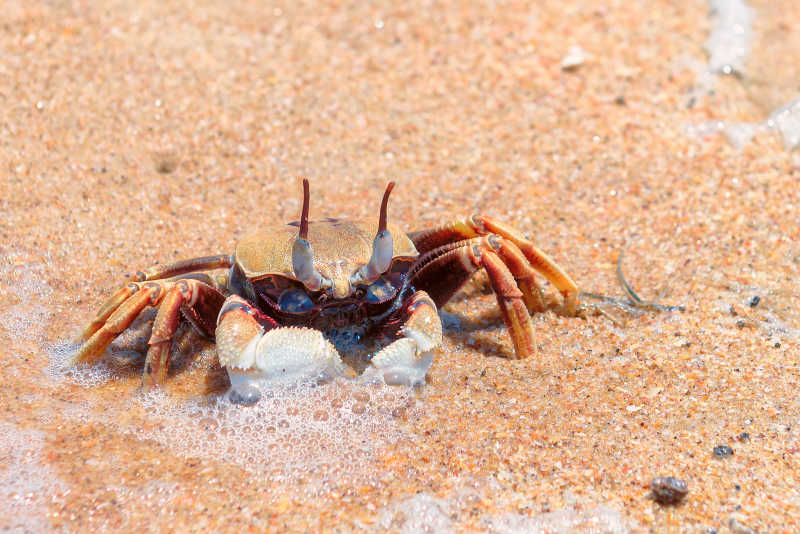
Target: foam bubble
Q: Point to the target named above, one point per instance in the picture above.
(85, 375)
(420, 513)
(600, 519)
(25, 317)
(786, 120)
(316, 437)
(731, 32)
(26, 483)
(728, 47)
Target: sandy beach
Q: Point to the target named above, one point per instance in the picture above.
(146, 132)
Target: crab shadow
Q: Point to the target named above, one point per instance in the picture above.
(192, 358)
(474, 331)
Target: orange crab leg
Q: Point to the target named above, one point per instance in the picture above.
(164, 326)
(480, 225)
(157, 272)
(117, 322)
(509, 299)
(524, 274)
(105, 311)
(199, 301)
(205, 263)
(202, 303)
(538, 259)
(442, 271)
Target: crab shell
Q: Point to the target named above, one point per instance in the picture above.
(341, 248)
(299, 353)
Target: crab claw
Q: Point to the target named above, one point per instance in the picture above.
(406, 361)
(256, 359)
(285, 355)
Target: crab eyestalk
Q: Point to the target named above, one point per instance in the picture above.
(302, 255)
(382, 246)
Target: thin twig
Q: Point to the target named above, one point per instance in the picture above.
(628, 289)
(635, 305)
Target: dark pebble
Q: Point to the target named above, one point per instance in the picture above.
(744, 436)
(246, 396)
(668, 490)
(753, 302)
(620, 100)
(721, 451)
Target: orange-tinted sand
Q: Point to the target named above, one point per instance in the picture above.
(150, 131)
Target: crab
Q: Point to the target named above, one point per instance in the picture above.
(288, 287)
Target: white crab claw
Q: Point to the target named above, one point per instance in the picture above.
(405, 361)
(282, 356)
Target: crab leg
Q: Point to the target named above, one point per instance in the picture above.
(444, 270)
(156, 272)
(406, 360)
(205, 263)
(480, 225)
(117, 320)
(105, 311)
(200, 303)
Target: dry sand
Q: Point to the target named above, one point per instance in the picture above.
(149, 131)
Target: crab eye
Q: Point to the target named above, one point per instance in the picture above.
(294, 301)
(380, 291)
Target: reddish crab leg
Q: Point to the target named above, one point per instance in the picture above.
(206, 263)
(118, 321)
(509, 299)
(442, 271)
(479, 225)
(156, 272)
(105, 311)
(201, 302)
(538, 259)
(524, 274)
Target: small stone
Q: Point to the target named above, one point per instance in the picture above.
(668, 490)
(744, 436)
(722, 451)
(166, 161)
(754, 300)
(620, 100)
(574, 58)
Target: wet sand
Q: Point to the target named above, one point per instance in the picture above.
(143, 132)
